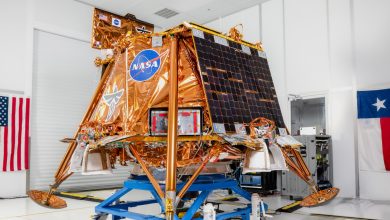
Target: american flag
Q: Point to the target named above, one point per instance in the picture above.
(14, 133)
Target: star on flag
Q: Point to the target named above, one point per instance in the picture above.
(379, 104)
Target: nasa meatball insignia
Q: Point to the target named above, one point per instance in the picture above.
(145, 65)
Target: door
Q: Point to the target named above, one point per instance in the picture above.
(64, 81)
(308, 113)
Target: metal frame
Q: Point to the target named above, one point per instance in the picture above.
(206, 184)
(166, 110)
(165, 196)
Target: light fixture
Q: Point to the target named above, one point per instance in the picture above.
(293, 97)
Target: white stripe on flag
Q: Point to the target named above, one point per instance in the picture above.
(27, 134)
(23, 133)
(17, 118)
(370, 145)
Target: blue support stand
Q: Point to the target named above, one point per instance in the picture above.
(205, 184)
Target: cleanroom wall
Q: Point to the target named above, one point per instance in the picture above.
(13, 66)
(333, 48)
(317, 61)
(371, 34)
(249, 18)
(16, 59)
(310, 52)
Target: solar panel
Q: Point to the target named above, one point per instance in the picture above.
(237, 80)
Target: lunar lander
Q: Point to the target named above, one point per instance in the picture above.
(178, 105)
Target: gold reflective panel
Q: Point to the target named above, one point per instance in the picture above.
(109, 27)
(47, 200)
(112, 104)
(130, 115)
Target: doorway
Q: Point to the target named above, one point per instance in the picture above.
(308, 114)
(64, 81)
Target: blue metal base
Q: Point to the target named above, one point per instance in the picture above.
(204, 184)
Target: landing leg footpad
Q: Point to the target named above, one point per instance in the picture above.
(40, 198)
(320, 197)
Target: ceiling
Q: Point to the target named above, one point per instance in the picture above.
(198, 11)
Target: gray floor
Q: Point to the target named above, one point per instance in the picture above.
(25, 209)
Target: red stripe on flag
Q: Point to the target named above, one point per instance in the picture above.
(385, 127)
(19, 162)
(13, 133)
(26, 134)
(5, 161)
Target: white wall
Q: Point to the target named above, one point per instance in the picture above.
(18, 20)
(273, 43)
(332, 48)
(316, 39)
(310, 54)
(249, 18)
(12, 68)
(309, 49)
(372, 34)
(371, 21)
(13, 57)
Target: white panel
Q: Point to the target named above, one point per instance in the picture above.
(340, 38)
(273, 43)
(372, 34)
(314, 68)
(341, 117)
(185, 6)
(9, 190)
(12, 74)
(13, 44)
(71, 17)
(374, 185)
(342, 131)
(64, 81)
(307, 62)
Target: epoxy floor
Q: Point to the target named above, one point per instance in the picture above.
(25, 209)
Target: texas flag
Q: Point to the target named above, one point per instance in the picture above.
(374, 130)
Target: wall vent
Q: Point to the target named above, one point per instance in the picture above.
(166, 13)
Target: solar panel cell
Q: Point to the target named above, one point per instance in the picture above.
(238, 83)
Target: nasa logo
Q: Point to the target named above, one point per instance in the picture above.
(145, 64)
(116, 22)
